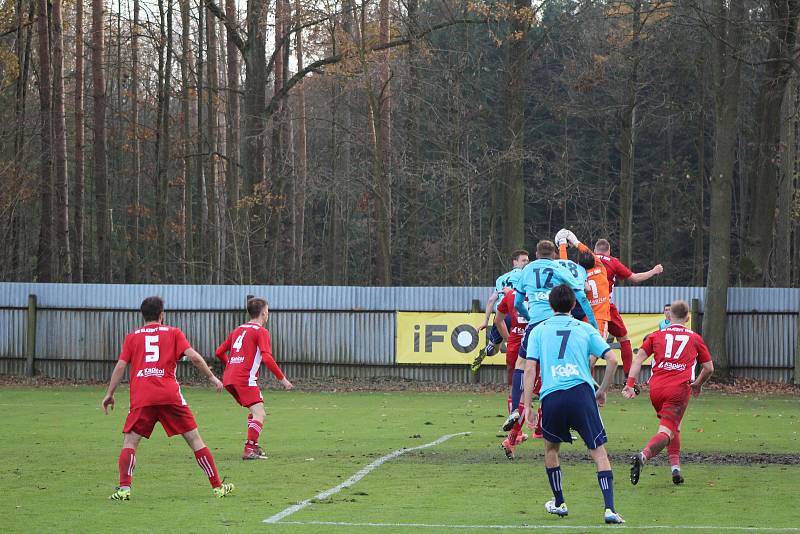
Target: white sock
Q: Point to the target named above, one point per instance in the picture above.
(674, 467)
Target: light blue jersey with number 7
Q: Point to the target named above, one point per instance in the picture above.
(562, 345)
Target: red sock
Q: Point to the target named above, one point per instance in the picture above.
(627, 355)
(253, 431)
(674, 449)
(127, 461)
(656, 443)
(206, 463)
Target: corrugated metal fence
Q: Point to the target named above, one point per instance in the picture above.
(333, 331)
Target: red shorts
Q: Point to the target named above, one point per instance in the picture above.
(511, 363)
(670, 404)
(175, 419)
(245, 395)
(615, 326)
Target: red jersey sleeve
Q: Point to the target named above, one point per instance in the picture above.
(222, 350)
(703, 355)
(503, 306)
(181, 344)
(621, 270)
(647, 346)
(265, 345)
(125, 353)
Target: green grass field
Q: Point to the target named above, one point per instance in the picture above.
(58, 464)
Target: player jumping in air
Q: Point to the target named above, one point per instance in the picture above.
(153, 351)
(513, 337)
(616, 270)
(519, 259)
(675, 351)
(249, 345)
(562, 346)
(538, 278)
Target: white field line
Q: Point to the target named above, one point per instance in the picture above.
(355, 478)
(543, 527)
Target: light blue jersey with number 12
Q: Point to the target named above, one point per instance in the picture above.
(562, 346)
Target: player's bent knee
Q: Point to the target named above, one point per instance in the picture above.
(194, 440)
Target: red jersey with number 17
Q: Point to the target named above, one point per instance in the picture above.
(153, 352)
(249, 345)
(518, 324)
(675, 350)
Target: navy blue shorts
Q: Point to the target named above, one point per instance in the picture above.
(578, 312)
(494, 334)
(574, 408)
(523, 349)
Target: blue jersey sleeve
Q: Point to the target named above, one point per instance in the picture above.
(519, 305)
(580, 296)
(597, 345)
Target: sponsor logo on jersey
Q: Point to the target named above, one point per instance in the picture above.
(150, 371)
(669, 366)
(541, 295)
(564, 371)
(236, 359)
(151, 330)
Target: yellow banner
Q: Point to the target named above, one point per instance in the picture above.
(453, 338)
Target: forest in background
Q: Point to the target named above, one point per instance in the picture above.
(382, 142)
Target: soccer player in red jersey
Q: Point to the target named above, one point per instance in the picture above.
(616, 270)
(153, 351)
(513, 339)
(249, 345)
(675, 350)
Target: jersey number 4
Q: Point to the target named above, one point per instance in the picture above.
(237, 344)
(670, 339)
(151, 352)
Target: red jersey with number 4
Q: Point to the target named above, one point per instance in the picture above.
(675, 350)
(518, 324)
(249, 345)
(153, 352)
(615, 270)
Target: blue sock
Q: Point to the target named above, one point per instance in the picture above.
(606, 481)
(554, 477)
(489, 348)
(516, 388)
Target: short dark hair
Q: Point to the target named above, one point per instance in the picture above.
(586, 260)
(255, 306)
(151, 308)
(545, 249)
(517, 253)
(679, 310)
(668, 305)
(562, 299)
(602, 245)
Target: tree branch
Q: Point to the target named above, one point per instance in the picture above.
(233, 32)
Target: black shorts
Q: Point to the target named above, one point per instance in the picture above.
(494, 334)
(574, 408)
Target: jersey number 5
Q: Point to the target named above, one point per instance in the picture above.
(151, 352)
(680, 338)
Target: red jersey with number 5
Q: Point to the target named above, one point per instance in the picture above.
(153, 352)
(518, 324)
(249, 345)
(675, 351)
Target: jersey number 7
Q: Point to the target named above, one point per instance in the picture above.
(564, 335)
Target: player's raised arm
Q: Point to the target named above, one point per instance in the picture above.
(200, 363)
(519, 305)
(490, 301)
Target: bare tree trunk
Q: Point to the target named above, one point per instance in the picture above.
(44, 269)
(763, 183)
(64, 264)
(99, 164)
(78, 252)
(782, 249)
(189, 167)
(162, 145)
(212, 75)
(699, 207)
(233, 143)
(414, 167)
(301, 171)
(726, 74)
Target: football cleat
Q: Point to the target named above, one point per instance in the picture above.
(476, 363)
(637, 389)
(511, 420)
(122, 494)
(508, 448)
(223, 489)
(612, 518)
(677, 477)
(637, 462)
(560, 511)
(253, 454)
